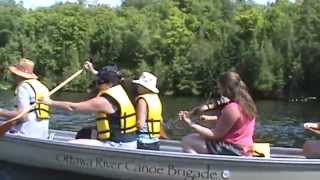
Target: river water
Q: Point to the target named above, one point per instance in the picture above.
(279, 123)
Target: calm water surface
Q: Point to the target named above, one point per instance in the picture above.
(279, 123)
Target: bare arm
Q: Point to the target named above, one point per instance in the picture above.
(210, 106)
(97, 104)
(89, 67)
(206, 132)
(22, 103)
(9, 114)
(208, 118)
(309, 125)
(141, 113)
(229, 116)
(203, 131)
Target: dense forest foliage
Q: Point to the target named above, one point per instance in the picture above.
(186, 43)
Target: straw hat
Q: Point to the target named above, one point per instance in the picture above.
(148, 81)
(24, 68)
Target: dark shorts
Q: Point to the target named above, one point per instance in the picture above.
(222, 148)
(89, 132)
(149, 146)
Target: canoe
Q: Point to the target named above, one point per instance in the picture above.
(169, 163)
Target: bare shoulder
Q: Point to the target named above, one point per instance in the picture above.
(96, 104)
(99, 101)
(141, 102)
(232, 109)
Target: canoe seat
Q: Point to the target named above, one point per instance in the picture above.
(261, 150)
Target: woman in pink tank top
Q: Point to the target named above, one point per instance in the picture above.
(234, 129)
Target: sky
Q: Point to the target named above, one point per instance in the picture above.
(43, 3)
(113, 3)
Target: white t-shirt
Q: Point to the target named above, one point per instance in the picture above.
(30, 126)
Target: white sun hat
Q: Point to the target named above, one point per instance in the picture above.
(148, 81)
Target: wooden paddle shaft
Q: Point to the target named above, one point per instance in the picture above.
(50, 93)
(65, 82)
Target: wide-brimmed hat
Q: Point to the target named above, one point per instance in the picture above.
(24, 68)
(148, 81)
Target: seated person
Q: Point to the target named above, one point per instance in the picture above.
(115, 114)
(214, 105)
(311, 148)
(233, 133)
(125, 82)
(149, 112)
(129, 86)
(34, 124)
(208, 113)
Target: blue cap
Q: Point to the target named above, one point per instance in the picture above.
(109, 74)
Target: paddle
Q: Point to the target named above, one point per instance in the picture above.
(6, 125)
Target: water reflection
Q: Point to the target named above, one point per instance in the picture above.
(19, 172)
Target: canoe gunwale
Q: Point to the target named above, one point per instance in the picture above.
(77, 148)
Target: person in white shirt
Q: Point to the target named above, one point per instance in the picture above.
(35, 123)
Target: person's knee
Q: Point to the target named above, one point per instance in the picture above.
(185, 141)
(188, 141)
(311, 148)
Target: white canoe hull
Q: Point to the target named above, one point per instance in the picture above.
(58, 154)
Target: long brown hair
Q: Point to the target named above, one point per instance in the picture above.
(236, 90)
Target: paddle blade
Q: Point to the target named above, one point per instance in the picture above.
(5, 126)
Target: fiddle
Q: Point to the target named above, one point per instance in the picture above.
(218, 104)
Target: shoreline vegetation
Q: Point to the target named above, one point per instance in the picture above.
(186, 43)
(5, 86)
